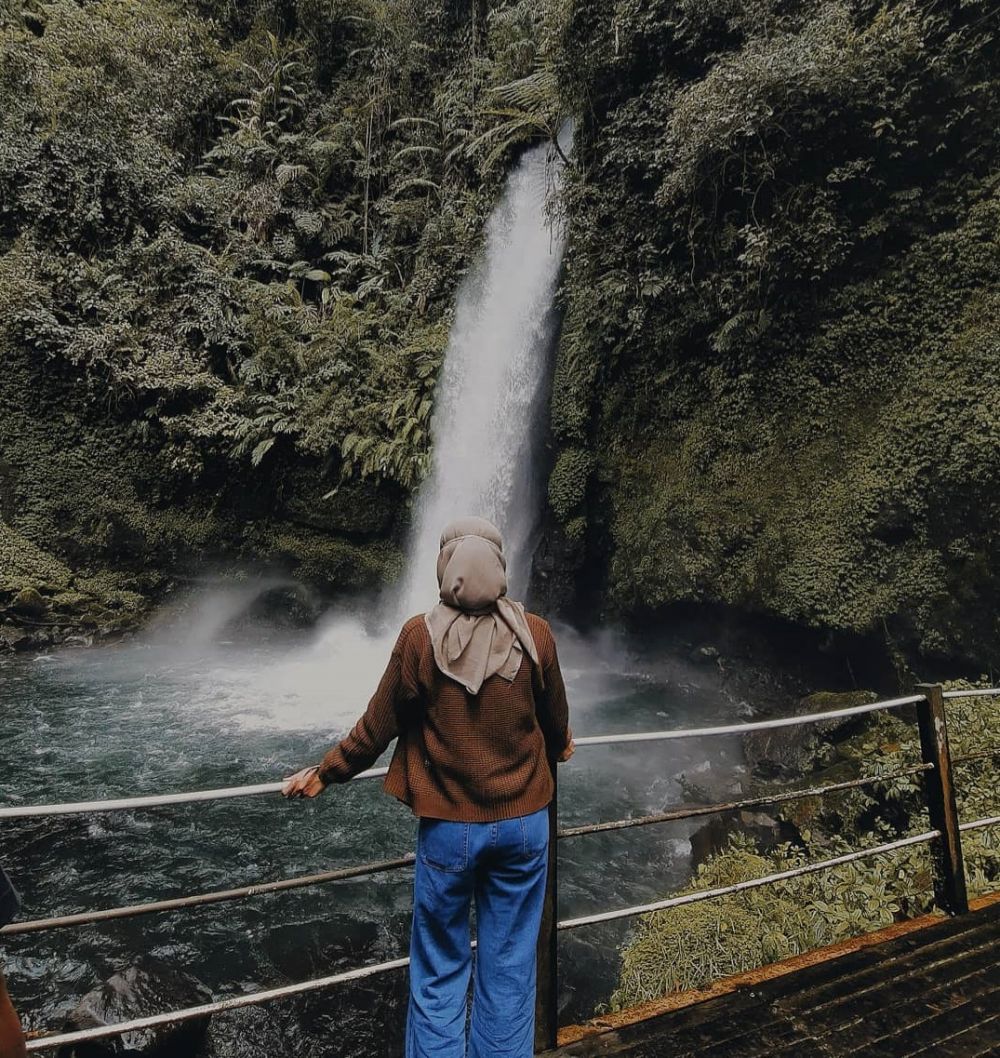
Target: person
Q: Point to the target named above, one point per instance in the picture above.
(474, 696)
(11, 1037)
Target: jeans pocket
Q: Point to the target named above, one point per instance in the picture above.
(443, 844)
(535, 833)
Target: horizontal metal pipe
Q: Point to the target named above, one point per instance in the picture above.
(742, 729)
(733, 806)
(978, 692)
(753, 883)
(123, 803)
(44, 1043)
(984, 755)
(84, 918)
(978, 824)
(217, 897)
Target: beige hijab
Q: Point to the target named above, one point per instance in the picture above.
(476, 631)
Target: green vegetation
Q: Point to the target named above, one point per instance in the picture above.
(230, 237)
(229, 240)
(780, 344)
(687, 947)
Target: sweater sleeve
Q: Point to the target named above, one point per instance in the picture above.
(553, 709)
(377, 727)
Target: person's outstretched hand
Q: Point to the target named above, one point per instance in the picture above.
(567, 752)
(305, 783)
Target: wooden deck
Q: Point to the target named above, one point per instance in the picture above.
(929, 988)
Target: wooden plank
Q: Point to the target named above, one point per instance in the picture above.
(751, 978)
(896, 969)
(977, 1020)
(900, 1014)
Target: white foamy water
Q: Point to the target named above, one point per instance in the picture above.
(487, 419)
(486, 429)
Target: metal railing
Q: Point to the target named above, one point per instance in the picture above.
(943, 838)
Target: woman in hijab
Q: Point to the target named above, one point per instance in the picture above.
(474, 697)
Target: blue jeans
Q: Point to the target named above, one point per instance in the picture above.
(502, 865)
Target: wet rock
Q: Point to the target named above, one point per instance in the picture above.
(791, 752)
(29, 602)
(292, 605)
(704, 655)
(709, 839)
(766, 831)
(13, 638)
(151, 987)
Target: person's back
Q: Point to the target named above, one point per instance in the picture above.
(461, 756)
(474, 696)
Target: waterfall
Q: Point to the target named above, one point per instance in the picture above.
(487, 421)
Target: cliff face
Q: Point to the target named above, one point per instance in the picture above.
(230, 237)
(229, 241)
(777, 387)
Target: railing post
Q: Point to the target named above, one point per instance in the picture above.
(547, 993)
(949, 868)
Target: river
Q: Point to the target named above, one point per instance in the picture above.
(208, 699)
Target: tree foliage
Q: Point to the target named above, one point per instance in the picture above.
(229, 239)
(780, 336)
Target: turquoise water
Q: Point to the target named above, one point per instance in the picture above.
(203, 700)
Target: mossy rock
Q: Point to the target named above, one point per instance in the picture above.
(826, 701)
(332, 563)
(29, 603)
(789, 753)
(568, 482)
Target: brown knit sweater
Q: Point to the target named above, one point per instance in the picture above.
(472, 758)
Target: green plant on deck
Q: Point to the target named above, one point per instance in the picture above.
(690, 946)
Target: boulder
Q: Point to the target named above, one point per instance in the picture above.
(148, 988)
(766, 831)
(29, 603)
(704, 655)
(14, 638)
(791, 752)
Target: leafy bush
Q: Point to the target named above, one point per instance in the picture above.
(689, 946)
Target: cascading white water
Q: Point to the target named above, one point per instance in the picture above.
(486, 429)
(487, 421)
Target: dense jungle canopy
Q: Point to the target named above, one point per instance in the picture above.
(231, 234)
